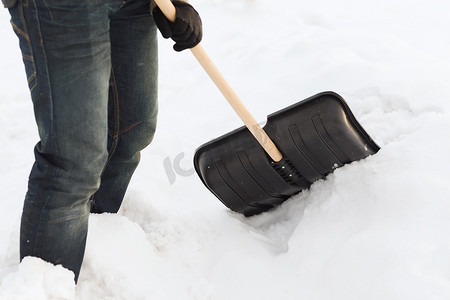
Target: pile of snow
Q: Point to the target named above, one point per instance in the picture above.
(374, 229)
(38, 280)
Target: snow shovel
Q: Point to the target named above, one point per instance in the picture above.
(253, 169)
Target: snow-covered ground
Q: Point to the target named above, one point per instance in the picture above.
(375, 229)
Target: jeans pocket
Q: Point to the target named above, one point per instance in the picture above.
(20, 28)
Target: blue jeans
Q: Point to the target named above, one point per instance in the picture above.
(92, 72)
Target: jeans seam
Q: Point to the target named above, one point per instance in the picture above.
(20, 31)
(50, 94)
(129, 127)
(30, 79)
(55, 170)
(116, 126)
(24, 33)
(115, 132)
(44, 207)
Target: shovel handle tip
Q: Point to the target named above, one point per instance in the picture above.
(168, 9)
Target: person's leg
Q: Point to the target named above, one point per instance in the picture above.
(66, 51)
(132, 101)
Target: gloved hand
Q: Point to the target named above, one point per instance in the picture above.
(186, 31)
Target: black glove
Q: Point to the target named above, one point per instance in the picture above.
(186, 31)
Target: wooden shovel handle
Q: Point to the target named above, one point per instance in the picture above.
(261, 136)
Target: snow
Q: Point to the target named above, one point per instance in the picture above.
(374, 229)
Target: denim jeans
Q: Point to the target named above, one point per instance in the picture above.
(92, 72)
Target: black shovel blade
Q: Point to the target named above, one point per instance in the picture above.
(315, 136)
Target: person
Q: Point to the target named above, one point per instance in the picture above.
(92, 71)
